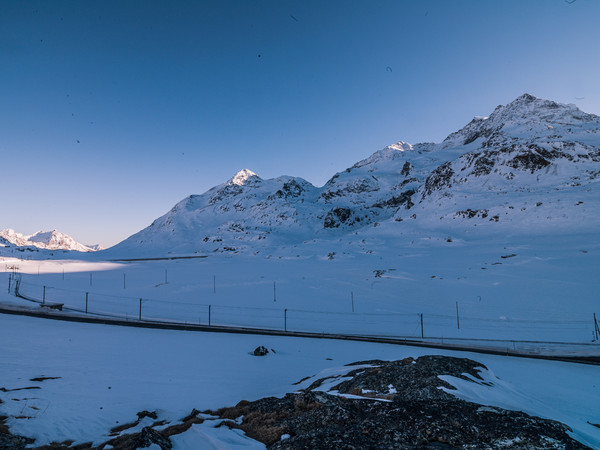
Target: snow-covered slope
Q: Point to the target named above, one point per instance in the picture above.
(49, 240)
(531, 164)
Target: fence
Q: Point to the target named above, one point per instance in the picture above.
(428, 326)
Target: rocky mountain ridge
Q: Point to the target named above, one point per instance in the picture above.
(531, 163)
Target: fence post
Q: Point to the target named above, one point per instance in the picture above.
(86, 301)
(457, 320)
(9, 280)
(352, 298)
(140, 309)
(285, 319)
(274, 292)
(209, 315)
(596, 326)
(44, 296)
(421, 325)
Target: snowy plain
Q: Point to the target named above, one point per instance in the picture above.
(513, 288)
(109, 373)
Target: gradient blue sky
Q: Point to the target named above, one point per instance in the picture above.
(113, 111)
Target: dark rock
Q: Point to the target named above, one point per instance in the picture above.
(438, 179)
(406, 169)
(483, 164)
(144, 413)
(149, 436)
(418, 414)
(336, 217)
(471, 213)
(394, 202)
(13, 442)
(528, 160)
(260, 351)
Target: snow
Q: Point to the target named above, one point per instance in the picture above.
(388, 287)
(109, 373)
(243, 176)
(209, 435)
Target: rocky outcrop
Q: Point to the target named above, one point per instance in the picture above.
(397, 404)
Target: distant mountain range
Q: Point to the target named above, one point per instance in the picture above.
(531, 166)
(47, 240)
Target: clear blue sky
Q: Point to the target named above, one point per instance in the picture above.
(112, 111)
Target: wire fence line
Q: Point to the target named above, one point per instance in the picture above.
(390, 324)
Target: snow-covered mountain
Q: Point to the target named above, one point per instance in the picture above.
(49, 240)
(532, 164)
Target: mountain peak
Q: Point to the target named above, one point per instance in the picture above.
(243, 177)
(526, 98)
(528, 104)
(525, 117)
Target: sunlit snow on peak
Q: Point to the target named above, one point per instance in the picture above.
(400, 146)
(243, 176)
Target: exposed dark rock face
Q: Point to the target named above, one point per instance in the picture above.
(438, 179)
(359, 185)
(337, 217)
(528, 160)
(484, 164)
(402, 406)
(290, 189)
(406, 169)
(395, 202)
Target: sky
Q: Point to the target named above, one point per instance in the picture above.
(113, 111)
